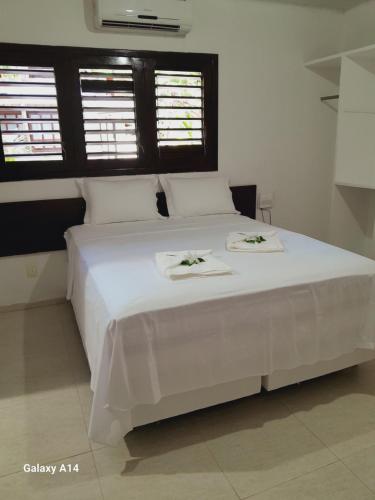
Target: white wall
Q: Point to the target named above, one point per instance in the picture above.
(370, 239)
(352, 223)
(49, 283)
(359, 26)
(272, 129)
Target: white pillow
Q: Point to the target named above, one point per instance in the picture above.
(164, 181)
(200, 196)
(81, 183)
(120, 201)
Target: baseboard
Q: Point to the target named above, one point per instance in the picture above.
(32, 305)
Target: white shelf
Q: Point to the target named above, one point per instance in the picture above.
(329, 67)
(349, 184)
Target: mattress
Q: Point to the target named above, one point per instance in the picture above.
(147, 337)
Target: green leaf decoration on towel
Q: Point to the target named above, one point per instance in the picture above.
(192, 261)
(255, 240)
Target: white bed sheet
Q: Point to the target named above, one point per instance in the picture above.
(147, 337)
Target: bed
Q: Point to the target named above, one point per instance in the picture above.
(158, 348)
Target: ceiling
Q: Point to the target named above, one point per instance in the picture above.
(328, 4)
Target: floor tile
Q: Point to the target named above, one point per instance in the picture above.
(34, 332)
(41, 429)
(82, 485)
(33, 355)
(69, 324)
(363, 466)
(52, 378)
(363, 375)
(333, 482)
(163, 437)
(338, 409)
(13, 320)
(183, 473)
(258, 444)
(271, 446)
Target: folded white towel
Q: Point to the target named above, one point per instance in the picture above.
(254, 242)
(175, 265)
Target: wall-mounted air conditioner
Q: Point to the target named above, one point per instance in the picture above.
(163, 16)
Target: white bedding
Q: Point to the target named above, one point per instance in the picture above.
(147, 337)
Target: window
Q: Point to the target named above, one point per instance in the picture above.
(28, 109)
(108, 106)
(179, 104)
(76, 112)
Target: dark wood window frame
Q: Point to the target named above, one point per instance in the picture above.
(66, 62)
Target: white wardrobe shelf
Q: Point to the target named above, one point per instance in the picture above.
(350, 184)
(329, 67)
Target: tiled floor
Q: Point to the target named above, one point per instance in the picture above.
(312, 441)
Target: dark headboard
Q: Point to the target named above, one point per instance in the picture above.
(38, 226)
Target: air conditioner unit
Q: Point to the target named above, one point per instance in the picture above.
(163, 16)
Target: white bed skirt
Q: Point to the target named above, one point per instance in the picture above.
(179, 404)
(282, 378)
(171, 406)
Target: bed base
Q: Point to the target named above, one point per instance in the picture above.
(282, 378)
(180, 404)
(187, 402)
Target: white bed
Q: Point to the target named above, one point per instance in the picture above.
(157, 348)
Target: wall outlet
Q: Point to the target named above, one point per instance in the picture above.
(31, 270)
(265, 200)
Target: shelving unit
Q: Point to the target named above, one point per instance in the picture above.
(354, 74)
(353, 201)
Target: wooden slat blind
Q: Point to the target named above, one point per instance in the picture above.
(179, 108)
(108, 107)
(29, 119)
